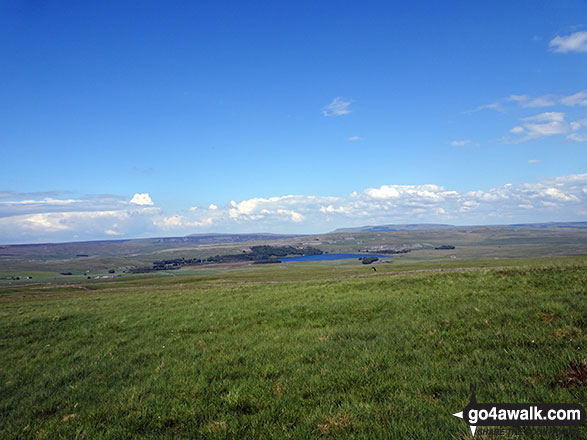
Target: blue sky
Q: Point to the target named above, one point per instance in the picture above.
(134, 119)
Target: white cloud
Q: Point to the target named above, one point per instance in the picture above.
(534, 161)
(579, 98)
(294, 216)
(355, 138)
(546, 117)
(142, 199)
(576, 42)
(578, 137)
(526, 101)
(338, 107)
(518, 98)
(576, 125)
(175, 221)
(90, 218)
(460, 143)
(558, 198)
(542, 101)
(491, 106)
(96, 221)
(548, 124)
(331, 209)
(212, 206)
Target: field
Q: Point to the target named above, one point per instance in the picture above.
(322, 350)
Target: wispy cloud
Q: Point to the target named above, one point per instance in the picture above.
(526, 101)
(578, 137)
(548, 124)
(460, 143)
(25, 195)
(534, 161)
(354, 138)
(491, 106)
(338, 107)
(579, 98)
(575, 42)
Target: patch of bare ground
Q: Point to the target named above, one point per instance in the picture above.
(575, 375)
(64, 286)
(332, 424)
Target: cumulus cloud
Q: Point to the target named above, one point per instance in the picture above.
(338, 107)
(63, 226)
(90, 217)
(549, 199)
(175, 221)
(142, 199)
(403, 203)
(575, 42)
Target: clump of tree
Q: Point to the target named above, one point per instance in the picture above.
(267, 261)
(263, 254)
(142, 269)
(174, 263)
(386, 251)
(444, 247)
(260, 252)
(369, 260)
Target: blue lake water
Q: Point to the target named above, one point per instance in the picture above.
(325, 257)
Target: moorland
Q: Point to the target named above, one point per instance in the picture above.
(329, 349)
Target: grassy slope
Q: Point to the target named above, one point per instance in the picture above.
(229, 356)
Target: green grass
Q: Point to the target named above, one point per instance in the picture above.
(317, 354)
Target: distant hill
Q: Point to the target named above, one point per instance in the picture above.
(197, 245)
(432, 227)
(234, 238)
(115, 248)
(572, 225)
(389, 228)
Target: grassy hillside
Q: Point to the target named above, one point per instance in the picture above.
(297, 351)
